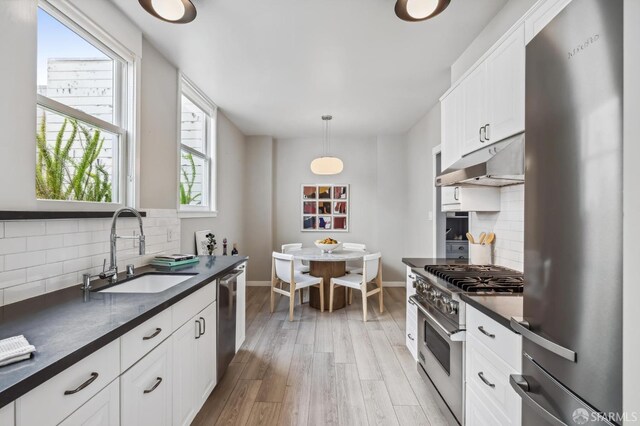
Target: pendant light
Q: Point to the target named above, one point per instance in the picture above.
(326, 165)
(174, 11)
(419, 10)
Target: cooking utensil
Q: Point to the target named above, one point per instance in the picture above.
(482, 237)
(489, 238)
(470, 238)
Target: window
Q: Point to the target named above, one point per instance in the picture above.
(82, 112)
(196, 186)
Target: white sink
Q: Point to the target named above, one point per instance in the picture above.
(150, 283)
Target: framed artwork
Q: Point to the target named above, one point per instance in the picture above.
(325, 208)
(201, 242)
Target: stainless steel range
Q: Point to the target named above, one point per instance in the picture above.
(442, 323)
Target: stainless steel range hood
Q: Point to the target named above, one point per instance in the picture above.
(500, 164)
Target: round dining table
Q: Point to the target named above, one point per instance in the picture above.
(327, 265)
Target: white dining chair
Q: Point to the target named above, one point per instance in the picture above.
(297, 264)
(354, 266)
(371, 271)
(283, 271)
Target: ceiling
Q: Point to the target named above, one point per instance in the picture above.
(275, 66)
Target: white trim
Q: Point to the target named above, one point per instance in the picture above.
(183, 214)
(71, 112)
(434, 198)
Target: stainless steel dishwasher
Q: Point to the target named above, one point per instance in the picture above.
(226, 321)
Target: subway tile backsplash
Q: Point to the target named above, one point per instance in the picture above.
(38, 257)
(507, 224)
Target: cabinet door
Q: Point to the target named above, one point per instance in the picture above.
(146, 390)
(206, 372)
(7, 415)
(452, 121)
(411, 318)
(241, 293)
(505, 69)
(473, 105)
(184, 342)
(101, 410)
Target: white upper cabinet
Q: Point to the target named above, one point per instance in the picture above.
(452, 127)
(505, 70)
(474, 109)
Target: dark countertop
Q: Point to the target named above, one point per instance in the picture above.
(65, 329)
(421, 262)
(499, 307)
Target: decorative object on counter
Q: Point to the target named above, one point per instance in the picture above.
(175, 260)
(325, 207)
(326, 165)
(419, 10)
(234, 251)
(211, 243)
(173, 11)
(201, 242)
(481, 252)
(327, 245)
(14, 349)
(224, 246)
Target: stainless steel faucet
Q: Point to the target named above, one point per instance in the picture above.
(112, 272)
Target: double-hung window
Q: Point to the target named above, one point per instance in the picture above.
(84, 107)
(197, 119)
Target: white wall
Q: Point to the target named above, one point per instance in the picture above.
(421, 139)
(504, 19)
(259, 217)
(631, 207)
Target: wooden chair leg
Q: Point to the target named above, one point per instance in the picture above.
(350, 296)
(364, 303)
(273, 297)
(322, 295)
(379, 282)
(292, 301)
(331, 289)
(301, 296)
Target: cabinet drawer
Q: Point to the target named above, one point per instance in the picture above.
(481, 364)
(477, 413)
(461, 248)
(501, 340)
(182, 311)
(142, 339)
(7, 415)
(101, 410)
(81, 381)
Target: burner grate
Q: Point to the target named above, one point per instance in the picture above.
(479, 278)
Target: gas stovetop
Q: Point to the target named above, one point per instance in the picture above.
(479, 278)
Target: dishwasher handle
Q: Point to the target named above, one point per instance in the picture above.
(232, 276)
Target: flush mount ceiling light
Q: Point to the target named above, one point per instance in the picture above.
(419, 10)
(174, 11)
(326, 165)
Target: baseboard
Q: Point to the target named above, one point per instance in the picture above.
(267, 283)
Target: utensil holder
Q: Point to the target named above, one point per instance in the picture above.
(480, 254)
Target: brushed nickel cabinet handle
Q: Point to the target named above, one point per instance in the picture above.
(90, 380)
(154, 334)
(410, 336)
(204, 325)
(486, 333)
(485, 381)
(199, 329)
(155, 385)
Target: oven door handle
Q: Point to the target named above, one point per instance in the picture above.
(454, 336)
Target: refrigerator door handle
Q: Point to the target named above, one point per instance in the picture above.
(522, 327)
(520, 385)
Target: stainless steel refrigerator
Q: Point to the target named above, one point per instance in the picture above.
(572, 325)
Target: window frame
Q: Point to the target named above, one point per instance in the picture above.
(199, 99)
(124, 107)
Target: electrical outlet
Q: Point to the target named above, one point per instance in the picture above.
(169, 235)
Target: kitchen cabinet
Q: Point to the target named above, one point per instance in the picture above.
(473, 109)
(470, 199)
(101, 410)
(7, 415)
(541, 16)
(493, 352)
(241, 297)
(194, 365)
(411, 325)
(146, 389)
(457, 249)
(452, 127)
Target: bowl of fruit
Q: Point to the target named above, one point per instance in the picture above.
(327, 245)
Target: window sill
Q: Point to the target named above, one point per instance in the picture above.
(195, 214)
(44, 215)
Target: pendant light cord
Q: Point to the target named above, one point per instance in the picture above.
(325, 142)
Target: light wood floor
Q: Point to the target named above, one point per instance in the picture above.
(322, 369)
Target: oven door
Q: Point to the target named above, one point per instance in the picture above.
(440, 357)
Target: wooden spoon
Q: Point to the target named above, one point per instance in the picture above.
(482, 237)
(490, 238)
(470, 238)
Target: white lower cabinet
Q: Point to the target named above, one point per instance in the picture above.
(146, 389)
(101, 410)
(194, 365)
(411, 325)
(241, 298)
(7, 415)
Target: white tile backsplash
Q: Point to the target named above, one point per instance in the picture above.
(507, 224)
(44, 256)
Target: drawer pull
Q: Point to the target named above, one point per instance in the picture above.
(486, 333)
(90, 380)
(410, 336)
(155, 385)
(485, 381)
(199, 329)
(204, 324)
(154, 334)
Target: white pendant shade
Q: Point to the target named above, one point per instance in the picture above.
(171, 10)
(327, 166)
(420, 9)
